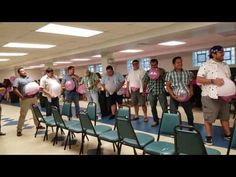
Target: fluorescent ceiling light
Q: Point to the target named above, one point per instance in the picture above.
(62, 62)
(172, 43)
(4, 59)
(81, 59)
(12, 54)
(35, 66)
(131, 51)
(67, 30)
(97, 56)
(28, 45)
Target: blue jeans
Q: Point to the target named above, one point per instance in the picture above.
(73, 97)
(153, 102)
(187, 109)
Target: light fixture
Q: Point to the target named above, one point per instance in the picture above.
(28, 45)
(80, 59)
(68, 30)
(62, 62)
(4, 59)
(12, 54)
(131, 51)
(97, 56)
(172, 43)
(35, 66)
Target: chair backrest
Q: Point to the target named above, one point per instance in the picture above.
(168, 123)
(91, 110)
(57, 118)
(124, 111)
(232, 142)
(125, 129)
(66, 109)
(86, 122)
(188, 140)
(36, 111)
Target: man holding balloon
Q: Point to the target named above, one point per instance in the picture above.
(70, 83)
(214, 77)
(51, 89)
(179, 86)
(153, 81)
(25, 88)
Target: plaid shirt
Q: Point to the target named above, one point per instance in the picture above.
(155, 87)
(178, 80)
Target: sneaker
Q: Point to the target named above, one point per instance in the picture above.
(209, 141)
(154, 124)
(227, 137)
(19, 134)
(99, 117)
(135, 118)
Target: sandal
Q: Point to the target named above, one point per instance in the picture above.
(145, 119)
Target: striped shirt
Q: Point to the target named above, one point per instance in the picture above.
(179, 79)
(155, 87)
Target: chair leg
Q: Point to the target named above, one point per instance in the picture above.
(45, 134)
(36, 131)
(52, 129)
(135, 153)
(66, 140)
(55, 138)
(99, 147)
(87, 137)
(82, 145)
(62, 132)
(114, 147)
(119, 150)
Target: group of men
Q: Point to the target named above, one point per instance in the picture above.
(140, 84)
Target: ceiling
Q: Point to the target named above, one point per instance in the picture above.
(116, 37)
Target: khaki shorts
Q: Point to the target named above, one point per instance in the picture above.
(214, 109)
(137, 98)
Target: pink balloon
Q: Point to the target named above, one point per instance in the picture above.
(31, 88)
(81, 89)
(154, 73)
(69, 85)
(228, 98)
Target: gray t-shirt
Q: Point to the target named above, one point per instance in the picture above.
(20, 82)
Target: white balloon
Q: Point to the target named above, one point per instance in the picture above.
(55, 88)
(111, 88)
(227, 89)
(31, 88)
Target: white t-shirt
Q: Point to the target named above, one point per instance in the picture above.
(212, 70)
(47, 82)
(135, 79)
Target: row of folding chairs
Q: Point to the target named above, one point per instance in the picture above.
(187, 139)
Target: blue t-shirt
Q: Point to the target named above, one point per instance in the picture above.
(20, 83)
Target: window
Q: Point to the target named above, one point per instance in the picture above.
(229, 56)
(99, 68)
(91, 68)
(145, 63)
(62, 72)
(199, 57)
(129, 65)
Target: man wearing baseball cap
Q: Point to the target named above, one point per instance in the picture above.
(213, 107)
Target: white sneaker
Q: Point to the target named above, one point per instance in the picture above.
(99, 117)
